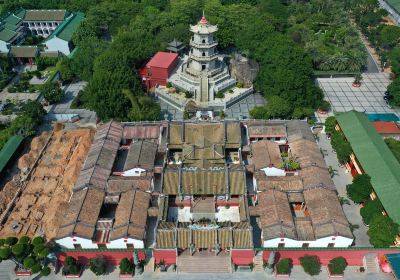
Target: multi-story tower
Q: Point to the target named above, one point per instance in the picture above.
(203, 71)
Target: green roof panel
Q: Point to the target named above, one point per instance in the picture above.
(68, 27)
(7, 35)
(9, 149)
(375, 158)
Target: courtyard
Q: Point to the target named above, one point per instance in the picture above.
(368, 98)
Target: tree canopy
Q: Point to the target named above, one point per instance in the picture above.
(382, 231)
(360, 189)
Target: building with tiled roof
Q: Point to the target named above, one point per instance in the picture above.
(188, 188)
(49, 24)
(388, 129)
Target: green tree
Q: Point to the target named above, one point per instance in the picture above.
(11, 240)
(394, 90)
(98, 266)
(52, 92)
(360, 189)
(38, 240)
(394, 57)
(370, 209)
(24, 240)
(29, 262)
(125, 266)
(64, 66)
(341, 146)
(311, 264)
(330, 124)
(337, 265)
(382, 231)
(18, 249)
(5, 253)
(45, 271)
(284, 266)
(394, 146)
(70, 267)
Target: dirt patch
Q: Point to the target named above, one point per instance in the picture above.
(44, 199)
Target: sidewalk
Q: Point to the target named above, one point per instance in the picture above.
(341, 179)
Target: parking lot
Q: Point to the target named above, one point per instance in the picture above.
(368, 98)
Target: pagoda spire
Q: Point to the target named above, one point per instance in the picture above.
(203, 19)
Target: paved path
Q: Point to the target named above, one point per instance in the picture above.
(342, 179)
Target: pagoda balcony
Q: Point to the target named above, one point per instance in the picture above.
(204, 58)
(203, 45)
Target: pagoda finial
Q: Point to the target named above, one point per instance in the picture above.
(203, 19)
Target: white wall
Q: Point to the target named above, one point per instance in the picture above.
(273, 171)
(4, 47)
(119, 243)
(134, 172)
(56, 44)
(339, 241)
(68, 242)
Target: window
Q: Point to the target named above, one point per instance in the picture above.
(305, 245)
(129, 245)
(102, 246)
(191, 50)
(203, 54)
(281, 245)
(331, 245)
(203, 67)
(77, 246)
(204, 41)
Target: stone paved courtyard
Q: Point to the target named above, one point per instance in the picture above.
(367, 98)
(240, 109)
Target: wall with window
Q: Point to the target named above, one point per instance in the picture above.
(330, 241)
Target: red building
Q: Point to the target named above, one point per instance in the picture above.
(158, 69)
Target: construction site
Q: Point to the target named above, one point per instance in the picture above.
(35, 200)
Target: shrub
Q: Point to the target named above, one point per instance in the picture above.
(43, 253)
(325, 106)
(2, 241)
(240, 84)
(24, 240)
(311, 264)
(220, 94)
(38, 248)
(12, 89)
(125, 266)
(38, 240)
(11, 241)
(45, 271)
(337, 265)
(284, 266)
(18, 249)
(169, 85)
(29, 262)
(188, 94)
(70, 266)
(36, 268)
(5, 253)
(98, 266)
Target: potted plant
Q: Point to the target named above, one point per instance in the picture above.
(125, 268)
(71, 268)
(162, 266)
(357, 80)
(336, 267)
(283, 267)
(98, 266)
(311, 264)
(324, 107)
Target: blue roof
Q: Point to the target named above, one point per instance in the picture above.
(394, 261)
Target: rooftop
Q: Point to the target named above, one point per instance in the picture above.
(45, 15)
(65, 30)
(162, 60)
(375, 158)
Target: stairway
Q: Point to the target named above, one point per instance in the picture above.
(204, 89)
(371, 263)
(258, 263)
(204, 262)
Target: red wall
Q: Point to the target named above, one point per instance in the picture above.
(112, 258)
(353, 257)
(158, 75)
(168, 256)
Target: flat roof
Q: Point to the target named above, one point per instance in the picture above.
(162, 60)
(375, 158)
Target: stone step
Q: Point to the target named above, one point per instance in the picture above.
(204, 265)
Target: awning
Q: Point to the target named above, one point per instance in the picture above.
(394, 261)
(242, 257)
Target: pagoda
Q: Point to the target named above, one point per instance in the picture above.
(203, 72)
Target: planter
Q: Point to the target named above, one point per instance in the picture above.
(125, 275)
(278, 275)
(23, 273)
(356, 85)
(330, 275)
(72, 276)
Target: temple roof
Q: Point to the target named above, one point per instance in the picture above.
(203, 27)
